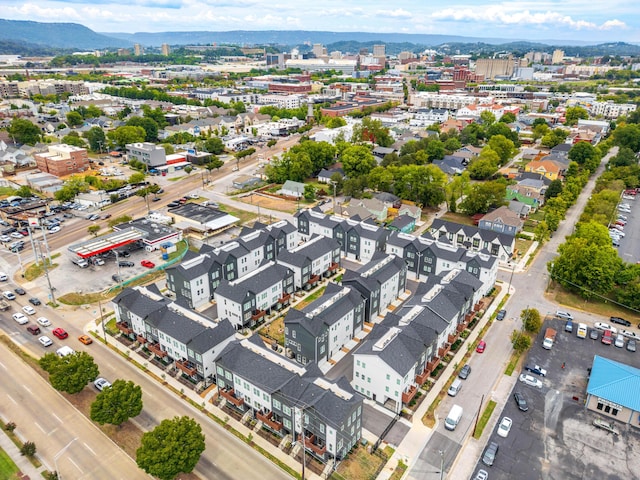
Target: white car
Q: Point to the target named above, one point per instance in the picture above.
(563, 314)
(54, 229)
(505, 427)
(605, 327)
(101, 383)
(193, 196)
(630, 334)
(44, 321)
(29, 310)
(5, 238)
(3, 277)
(16, 235)
(530, 380)
(45, 341)
(20, 318)
(9, 295)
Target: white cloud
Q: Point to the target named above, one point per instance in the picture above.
(397, 13)
(31, 11)
(497, 14)
(609, 24)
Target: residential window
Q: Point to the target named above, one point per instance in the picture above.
(220, 370)
(388, 377)
(287, 423)
(386, 389)
(276, 404)
(286, 410)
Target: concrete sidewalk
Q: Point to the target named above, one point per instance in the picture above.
(202, 400)
(26, 467)
(414, 442)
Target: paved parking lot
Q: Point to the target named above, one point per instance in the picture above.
(555, 438)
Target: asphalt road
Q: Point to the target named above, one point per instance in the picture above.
(487, 368)
(43, 416)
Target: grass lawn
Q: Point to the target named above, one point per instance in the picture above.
(399, 471)
(484, 419)
(513, 363)
(310, 298)
(597, 306)
(523, 245)
(34, 271)
(458, 218)
(243, 215)
(8, 469)
(360, 465)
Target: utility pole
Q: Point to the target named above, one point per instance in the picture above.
(46, 274)
(475, 425)
(104, 333)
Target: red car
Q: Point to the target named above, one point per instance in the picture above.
(60, 333)
(481, 346)
(147, 263)
(606, 337)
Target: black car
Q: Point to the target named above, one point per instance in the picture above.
(490, 454)
(464, 372)
(123, 253)
(501, 314)
(20, 291)
(126, 263)
(620, 321)
(173, 204)
(116, 278)
(521, 402)
(35, 301)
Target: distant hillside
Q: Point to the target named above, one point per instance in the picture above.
(28, 49)
(290, 37)
(57, 35)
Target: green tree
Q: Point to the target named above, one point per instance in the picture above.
(541, 232)
(335, 122)
(585, 155)
(309, 192)
(117, 404)
(503, 147)
(587, 263)
(148, 124)
(357, 160)
(24, 191)
(271, 142)
(136, 178)
(28, 449)
(73, 139)
(74, 119)
(171, 448)
(291, 165)
(624, 158)
(121, 136)
(23, 131)
(554, 137)
(71, 373)
(487, 118)
(484, 165)
(520, 341)
(96, 138)
(484, 196)
(372, 131)
(573, 114)
(93, 230)
(553, 190)
(531, 320)
(214, 145)
(507, 118)
(381, 179)
(627, 136)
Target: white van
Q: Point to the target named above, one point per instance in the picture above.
(64, 351)
(452, 420)
(455, 387)
(582, 330)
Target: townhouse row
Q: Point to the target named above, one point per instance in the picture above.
(288, 399)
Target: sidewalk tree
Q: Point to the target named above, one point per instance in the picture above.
(71, 373)
(93, 230)
(531, 320)
(171, 448)
(117, 404)
(28, 449)
(520, 341)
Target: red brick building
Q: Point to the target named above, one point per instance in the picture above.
(63, 160)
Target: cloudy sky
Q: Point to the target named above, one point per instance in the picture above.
(595, 20)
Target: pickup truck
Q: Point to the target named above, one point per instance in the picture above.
(4, 305)
(549, 338)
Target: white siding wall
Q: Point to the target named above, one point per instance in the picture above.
(389, 291)
(229, 309)
(372, 376)
(200, 291)
(340, 333)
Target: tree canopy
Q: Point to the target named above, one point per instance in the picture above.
(357, 160)
(118, 403)
(23, 131)
(71, 373)
(171, 448)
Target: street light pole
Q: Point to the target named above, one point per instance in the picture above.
(55, 458)
(441, 464)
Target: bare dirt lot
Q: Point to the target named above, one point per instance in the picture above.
(271, 203)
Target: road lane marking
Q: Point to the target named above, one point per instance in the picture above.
(89, 448)
(56, 417)
(2, 365)
(38, 425)
(11, 398)
(75, 464)
(27, 389)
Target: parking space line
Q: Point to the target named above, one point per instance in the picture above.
(38, 425)
(75, 464)
(11, 398)
(2, 365)
(89, 448)
(56, 417)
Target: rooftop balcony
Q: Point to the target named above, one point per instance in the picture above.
(267, 419)
(229, 395)
(408, 395)
(187, 367)
(124, 328)
(156, 349)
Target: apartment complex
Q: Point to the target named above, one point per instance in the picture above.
(61, 160)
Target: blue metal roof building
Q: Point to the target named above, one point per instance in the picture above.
(614, 390)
